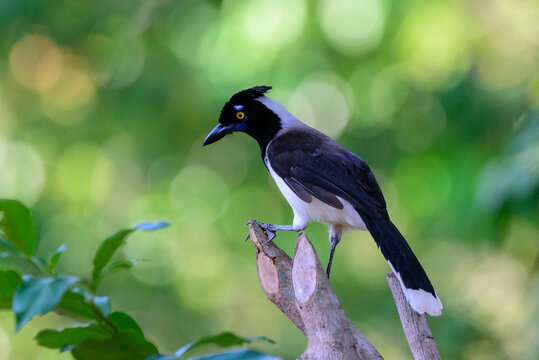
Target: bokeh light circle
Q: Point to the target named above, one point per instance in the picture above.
(22, 174)
(274, 22)
(322, 104)
(199, 194)
(35, 62)
(434, 43)
(352, 26)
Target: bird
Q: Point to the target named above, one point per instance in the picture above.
(325, 182)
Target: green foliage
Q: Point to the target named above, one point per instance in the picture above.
(17, 226)
(106, 251)
(241, 354)
(109, 247)
(78, 304)
(39, 296)
(9, 281)
(118, 346)
(224, 339)
(104, 106)
(58, 339)
(55, 257)
(104, 335)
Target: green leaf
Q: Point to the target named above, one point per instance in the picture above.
(16, 226)
(107, 250)
(124, 323)
(120, 346)
(75, 304)
(9, 246)
(9, 281)
(39, 296)
(53, 260)
(115, 266)
(224, 339)
(57, 339)
(241, 354)
(112, 243)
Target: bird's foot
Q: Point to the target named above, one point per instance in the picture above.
(269, 228)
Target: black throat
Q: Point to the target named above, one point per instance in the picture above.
(262, 125)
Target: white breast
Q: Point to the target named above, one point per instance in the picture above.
(345, 218)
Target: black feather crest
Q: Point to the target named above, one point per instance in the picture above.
(255, 92)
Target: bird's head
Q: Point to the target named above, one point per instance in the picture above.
(251, 112)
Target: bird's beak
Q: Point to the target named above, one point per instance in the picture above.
(218, 133)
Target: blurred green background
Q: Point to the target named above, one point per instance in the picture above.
(104, 106)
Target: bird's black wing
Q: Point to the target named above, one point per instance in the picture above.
(313, 164)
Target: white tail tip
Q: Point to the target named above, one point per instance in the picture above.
(420, 300)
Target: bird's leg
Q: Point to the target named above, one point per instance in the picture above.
(272, 228)
(334, 238)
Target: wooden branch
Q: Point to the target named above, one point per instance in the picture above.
(416, 326)
(274, 272)
(301, 290)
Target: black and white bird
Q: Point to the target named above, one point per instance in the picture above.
(325, 182)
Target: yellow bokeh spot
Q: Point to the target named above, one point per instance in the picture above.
(274, 22)
(352, 26)
(434, 44)
(74, 89)
(36, 62)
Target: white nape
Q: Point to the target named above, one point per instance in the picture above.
(287, 119)
(420, 300)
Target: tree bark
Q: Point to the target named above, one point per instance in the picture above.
(300, 288)
(416, 327)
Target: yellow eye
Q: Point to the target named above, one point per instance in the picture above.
(240, 115)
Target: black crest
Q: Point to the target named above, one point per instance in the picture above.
(256, 92)
(250, 94)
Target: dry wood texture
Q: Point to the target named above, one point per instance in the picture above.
(416, 327)
(300, 288)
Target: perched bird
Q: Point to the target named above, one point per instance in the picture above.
(325, 182)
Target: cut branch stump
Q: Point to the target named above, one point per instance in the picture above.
(300, 288)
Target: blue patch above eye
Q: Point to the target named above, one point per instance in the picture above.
(238, 107)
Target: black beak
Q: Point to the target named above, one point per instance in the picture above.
(218, 132)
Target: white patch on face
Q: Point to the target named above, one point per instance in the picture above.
(287, 119)
(420, 300)
(346, 218)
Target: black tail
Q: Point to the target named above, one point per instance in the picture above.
(414, 281)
